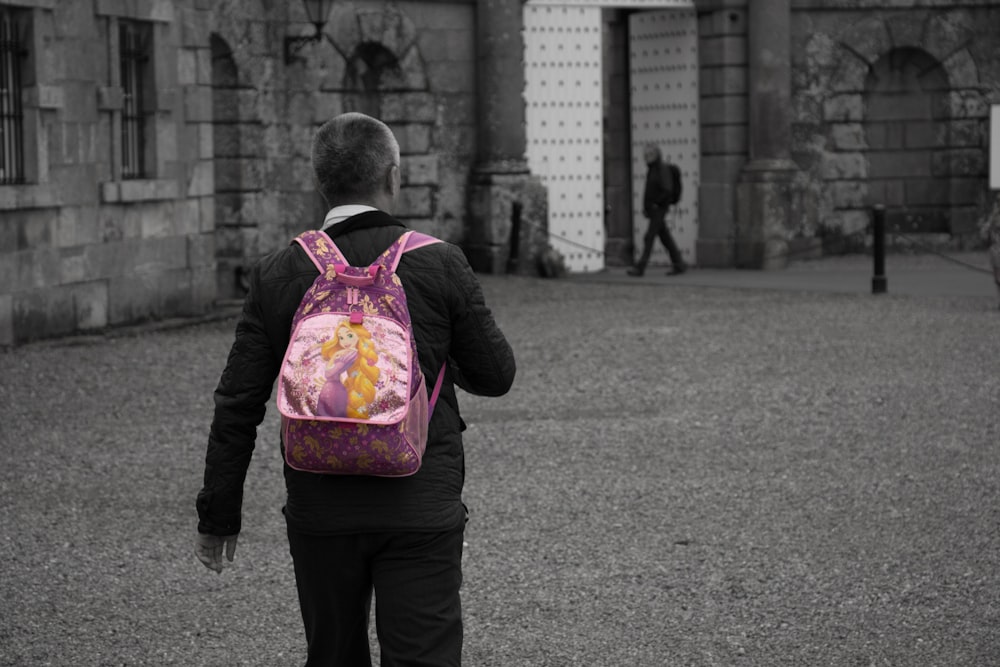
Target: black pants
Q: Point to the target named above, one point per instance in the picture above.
(416, 578)
(658, 228)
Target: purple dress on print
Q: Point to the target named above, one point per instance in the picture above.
(333, 397)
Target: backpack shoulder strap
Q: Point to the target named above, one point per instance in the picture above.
(410, 240)
(419, 240)
(321, 249)
(436, 391)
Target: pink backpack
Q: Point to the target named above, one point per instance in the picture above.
(351, 394)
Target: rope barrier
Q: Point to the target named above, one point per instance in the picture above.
(789, 254)
(932, 251)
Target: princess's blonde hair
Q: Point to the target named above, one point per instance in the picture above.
(362, 373)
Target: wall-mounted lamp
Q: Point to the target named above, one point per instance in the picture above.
(316, 11)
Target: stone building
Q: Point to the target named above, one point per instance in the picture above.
(151, 149)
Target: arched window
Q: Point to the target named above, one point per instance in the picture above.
(371, 71)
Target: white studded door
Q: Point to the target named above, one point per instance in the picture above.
(663, 66)
(563, 113)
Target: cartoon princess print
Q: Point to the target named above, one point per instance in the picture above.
(350, 372)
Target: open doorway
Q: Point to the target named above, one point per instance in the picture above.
(602, 79)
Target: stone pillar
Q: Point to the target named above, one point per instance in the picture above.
(500, 72)
(619, 246)
(765, 224)
(723, 85)
(501, 177)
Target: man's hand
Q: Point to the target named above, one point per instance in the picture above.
(208, 549)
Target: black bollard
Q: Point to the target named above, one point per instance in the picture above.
(514, 259)
(879, 282)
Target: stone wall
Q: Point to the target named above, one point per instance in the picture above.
(891, 107)
(890, 103)
(230, 126)
(81, 248)
(410, 64)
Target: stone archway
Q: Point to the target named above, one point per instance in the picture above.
(236, 233)
(905, 115)
(381, 56)
(371, 69)
(383, 75)
(906, 125)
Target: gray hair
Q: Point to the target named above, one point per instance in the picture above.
(351, 155)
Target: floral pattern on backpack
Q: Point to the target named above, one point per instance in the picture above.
(351, 394)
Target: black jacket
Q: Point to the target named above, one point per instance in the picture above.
(656, 194)
(451, 322)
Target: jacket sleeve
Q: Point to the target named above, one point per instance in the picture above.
(481, 359)
(240, 403)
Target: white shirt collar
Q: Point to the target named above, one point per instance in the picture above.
(341, 213)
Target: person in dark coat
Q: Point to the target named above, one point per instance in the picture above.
(656, 199)
(350, 535)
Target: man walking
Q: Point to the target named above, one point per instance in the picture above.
(657, 197)
(350, 535)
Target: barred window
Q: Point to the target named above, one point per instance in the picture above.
(133, 49)
(11, 113)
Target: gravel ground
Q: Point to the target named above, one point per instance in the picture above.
(681, 476)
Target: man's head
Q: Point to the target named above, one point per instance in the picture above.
(651, 153)
(355, 159)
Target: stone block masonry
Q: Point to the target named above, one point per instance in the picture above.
(890, 110)
(81, 248)
(225, 170)
(888, 104)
